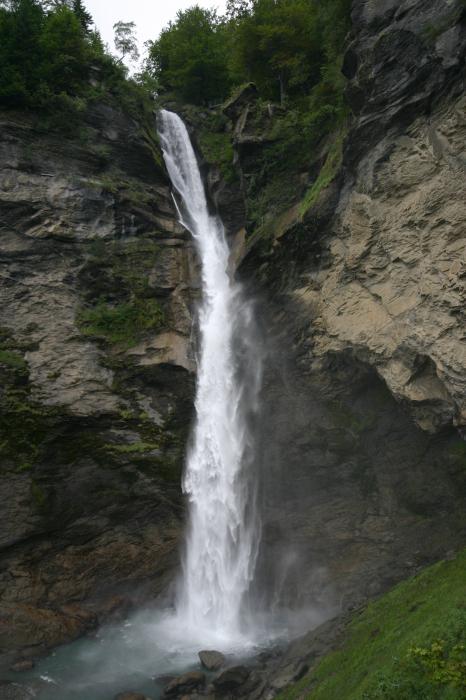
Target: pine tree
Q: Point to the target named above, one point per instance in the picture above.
(84, 17)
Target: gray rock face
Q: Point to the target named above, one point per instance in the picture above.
(92, 425)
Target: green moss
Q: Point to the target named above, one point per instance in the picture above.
(132, 448)
(408, 645)
(39, 496)
(432, 31)
(122, 324)
(217, 148)
(24, 427)
(327, 174)
(457, 453)
(13, 360)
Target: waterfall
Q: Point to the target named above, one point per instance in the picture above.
(222, 536)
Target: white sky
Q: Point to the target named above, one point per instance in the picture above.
(150, 16)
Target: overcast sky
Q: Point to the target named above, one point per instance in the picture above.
(150, 16)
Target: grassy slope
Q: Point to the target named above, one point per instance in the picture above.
(408, 645)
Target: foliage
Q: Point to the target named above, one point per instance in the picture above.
(53, 63)
(125, 41)
(408, 645)
(327, 173)
(278, 46)
(24, 424)
(189, 57)
(121, 324)
(281, 45)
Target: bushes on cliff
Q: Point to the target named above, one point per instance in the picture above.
(189, 57)
(284, 46)
(48, 55)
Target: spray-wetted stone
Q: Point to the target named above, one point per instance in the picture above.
(231, 678)
(212, 660)
(186, 683)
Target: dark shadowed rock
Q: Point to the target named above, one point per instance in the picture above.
(212, 660)
(129, 695)
(231, 679)
(13, 691)
(187, 683)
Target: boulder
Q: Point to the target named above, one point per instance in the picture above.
(231, 678)
(187, 683)
(212, 660)
(130, 695)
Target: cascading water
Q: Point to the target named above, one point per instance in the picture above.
(222, 534)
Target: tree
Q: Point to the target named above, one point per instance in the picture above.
(84, 17)
(278, 46)
(238, 9)
(66, 57)
(125, 40)
(190, 56)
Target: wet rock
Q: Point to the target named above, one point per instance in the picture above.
(212, 660)
(23, 625)
(130, 695)
(14, 691)
(23, 665)
(231, 679)
(187, 683)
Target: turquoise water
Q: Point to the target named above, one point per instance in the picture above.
(132, 656)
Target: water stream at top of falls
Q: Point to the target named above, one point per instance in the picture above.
(222, 537)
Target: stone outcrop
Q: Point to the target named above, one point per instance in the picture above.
(97, 281)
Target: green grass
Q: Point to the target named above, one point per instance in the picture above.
(123, 324)
(408, 645)
(327, 174)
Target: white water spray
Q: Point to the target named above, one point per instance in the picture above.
(222, 536)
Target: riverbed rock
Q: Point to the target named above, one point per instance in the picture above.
(187, 683)
(212, 660)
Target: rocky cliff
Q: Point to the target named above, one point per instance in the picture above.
(362, 280)
(97, 285)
